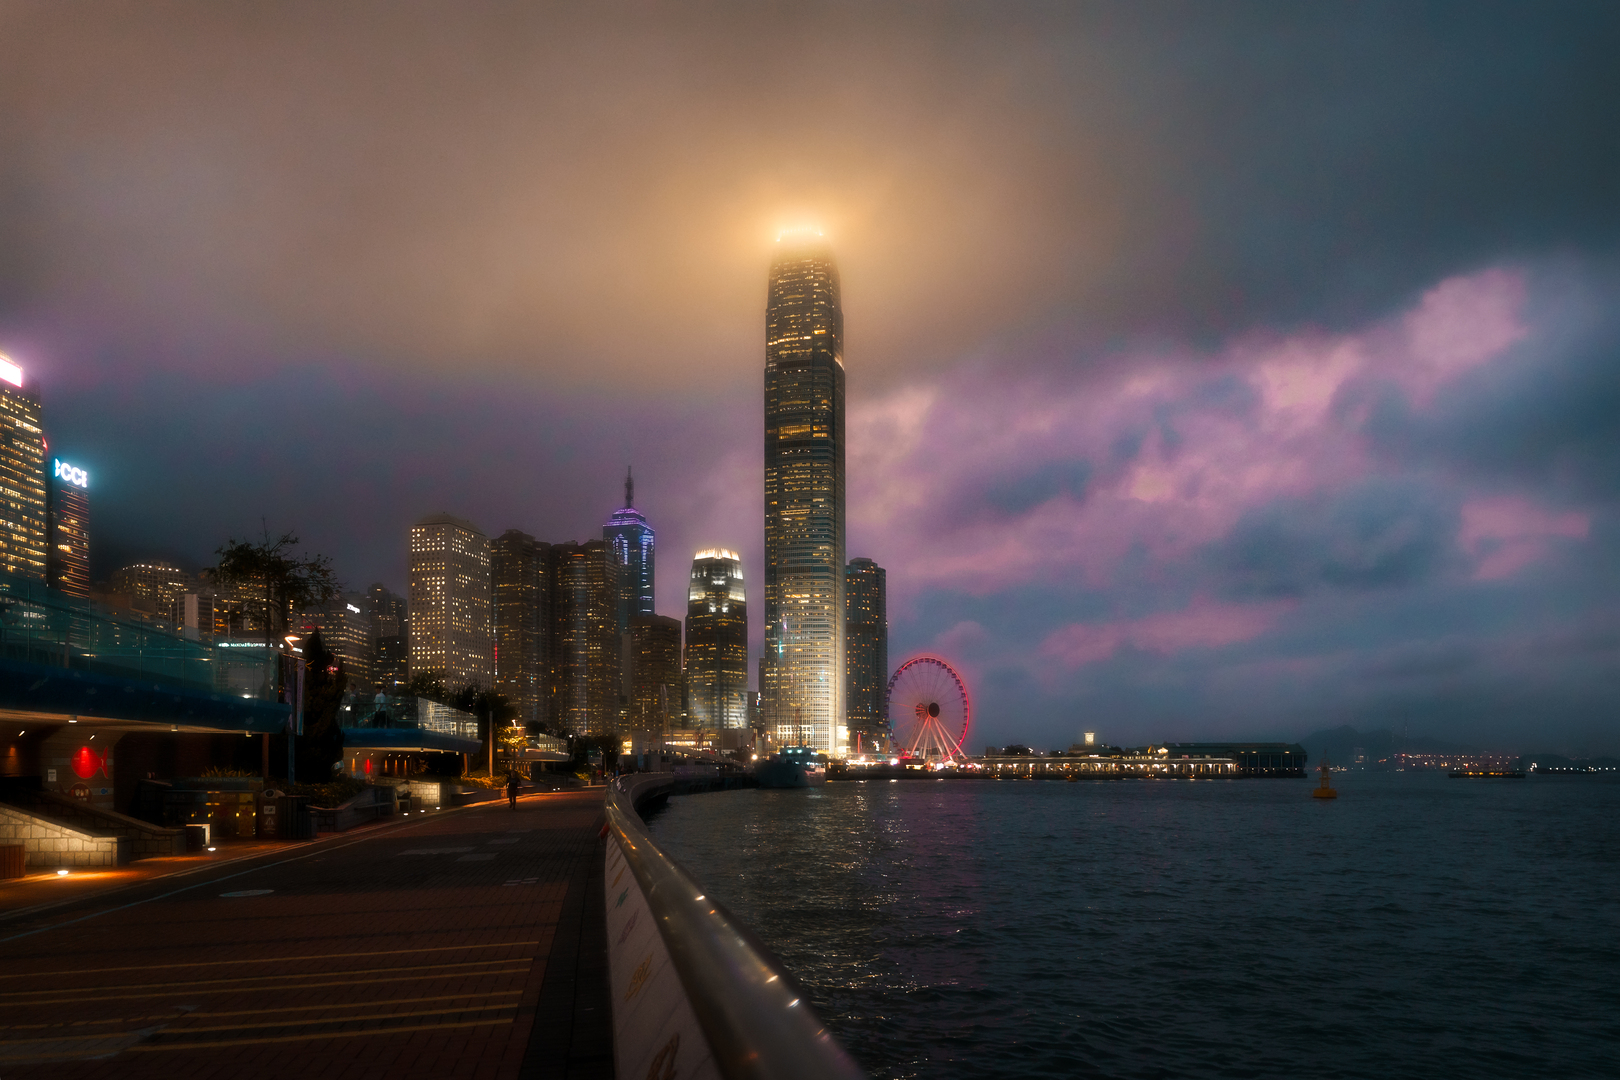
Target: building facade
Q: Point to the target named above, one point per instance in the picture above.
(450, 602)
(634, 547)
(802, 671)
(716, 643)
(67, 562)
(156, 588)
(521, 566)
(390, 625)
(654, 663)
(584, 639)
(23, 527)
(866, 652)
(346, 631)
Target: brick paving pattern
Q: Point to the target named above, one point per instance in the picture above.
(452, 945)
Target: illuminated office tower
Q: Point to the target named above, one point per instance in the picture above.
(716, 643)
(585, 639)
(654, 663)
(633, 549)
(450, 602)
(22, 477)
(802, 693)
(347, 632)
(157, 588)
(866, 651)
(390, 627)
(521, 568)
(67, 561)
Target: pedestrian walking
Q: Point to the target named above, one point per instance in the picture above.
(512, 785)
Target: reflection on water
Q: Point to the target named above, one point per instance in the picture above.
(1416, 926)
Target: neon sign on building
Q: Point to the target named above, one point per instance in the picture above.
(72, 474)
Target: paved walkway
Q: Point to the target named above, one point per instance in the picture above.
(464, 943)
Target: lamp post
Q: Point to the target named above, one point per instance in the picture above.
(295, 721)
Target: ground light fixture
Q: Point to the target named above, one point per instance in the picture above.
(61, 873)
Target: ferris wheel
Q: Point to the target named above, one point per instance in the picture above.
(928, 710)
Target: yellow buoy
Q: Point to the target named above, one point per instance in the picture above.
(1326, 790)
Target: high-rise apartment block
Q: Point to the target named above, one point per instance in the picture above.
(716, 643)
(22, 477)
(866, 652)
(633, 546)
(450, 601)
(521, 567)
(653, 660)
(585, 643)
(802, 670)
(67, 560)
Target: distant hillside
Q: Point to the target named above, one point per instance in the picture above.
(1340, 742)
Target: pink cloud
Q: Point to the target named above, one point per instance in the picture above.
(948, 477)
(1506, 533)
(1202, 625)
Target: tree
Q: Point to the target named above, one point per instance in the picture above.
(274, 581)
(324, 684)
(429, 684)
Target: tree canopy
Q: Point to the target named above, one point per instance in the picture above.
(274, 578)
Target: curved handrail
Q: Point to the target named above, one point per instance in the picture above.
(756, 1021)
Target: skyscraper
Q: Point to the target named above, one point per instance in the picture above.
(68, 512)
(522, 573)
(22, 477)
(347, 632)
(390, 623)
(633, 550)
(585, 644)
(654, 662)
(866, 651)
(717, 643)
(802, 671)
(450, 601)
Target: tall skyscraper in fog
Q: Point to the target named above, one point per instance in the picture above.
(521, 568)
(22, 477)
(866, 651)
(633, 546)
(716, 642)
(585, 643)
(802, 671)
(450, 601)
(390, 623)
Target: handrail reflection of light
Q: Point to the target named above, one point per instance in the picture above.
(751, 1012)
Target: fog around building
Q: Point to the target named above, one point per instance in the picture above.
(1212, 371)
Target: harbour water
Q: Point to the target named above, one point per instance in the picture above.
(1416, 926)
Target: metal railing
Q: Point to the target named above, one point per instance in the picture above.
(754, 1016)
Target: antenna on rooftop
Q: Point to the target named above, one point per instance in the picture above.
(629, 488)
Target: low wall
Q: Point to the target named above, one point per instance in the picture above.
(146, 841)
(51, 844)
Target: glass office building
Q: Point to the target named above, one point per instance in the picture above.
(716, 643)
(802, 671)
(634, 546)
(866, 651)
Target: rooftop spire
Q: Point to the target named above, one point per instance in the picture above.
(629, 488)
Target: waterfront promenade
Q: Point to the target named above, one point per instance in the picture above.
(462, 943)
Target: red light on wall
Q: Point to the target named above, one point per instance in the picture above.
(86, 763)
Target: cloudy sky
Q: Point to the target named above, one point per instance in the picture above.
(1213, 369)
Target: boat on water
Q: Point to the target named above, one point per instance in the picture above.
(791, 767)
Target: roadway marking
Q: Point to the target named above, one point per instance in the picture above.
(308, 1038)
(435, 851)
(66, 994)
(177, 1015)
(273, 959)
(248, 892)
(485, 857)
